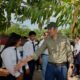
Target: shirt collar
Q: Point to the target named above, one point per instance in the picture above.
(32, 41)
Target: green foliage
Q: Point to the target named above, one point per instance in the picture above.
(23, 31)
(65, 32)
(38, 11)
(39, 33)
(16, 28)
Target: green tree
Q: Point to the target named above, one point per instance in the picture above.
(39, 33)
(17, 29)
(40, 11)
(23, 31)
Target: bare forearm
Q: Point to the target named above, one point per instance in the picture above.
(23, 62)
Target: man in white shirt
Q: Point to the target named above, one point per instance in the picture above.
(29, 49)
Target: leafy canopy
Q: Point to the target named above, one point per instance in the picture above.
(40, 11)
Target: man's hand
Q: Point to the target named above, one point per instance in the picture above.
(22, 62)
(71, 66)
(70, 71)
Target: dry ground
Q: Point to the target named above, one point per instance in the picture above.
(37, 75)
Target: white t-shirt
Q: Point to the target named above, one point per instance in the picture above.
(28, 48)
(9, 60)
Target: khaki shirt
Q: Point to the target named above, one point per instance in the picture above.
(59, 50)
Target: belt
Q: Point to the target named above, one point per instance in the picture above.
(44, 54)
(58, 64)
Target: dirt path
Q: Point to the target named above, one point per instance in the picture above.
(37, 75)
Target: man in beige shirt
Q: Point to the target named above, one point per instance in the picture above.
(59, 53)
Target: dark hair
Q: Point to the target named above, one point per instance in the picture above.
(78, 36)
(12, 40)
(23, 40)
(51, 25)
(32, 33)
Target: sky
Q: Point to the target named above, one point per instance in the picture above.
(28, 24)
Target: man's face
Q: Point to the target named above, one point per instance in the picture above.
(33, 37)
(52, 31)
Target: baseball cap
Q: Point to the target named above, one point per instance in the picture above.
(50, 25)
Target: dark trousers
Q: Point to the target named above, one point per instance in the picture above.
(77, 67)
(9, 77)
(26, 77)
(32, 68)
(38, 64)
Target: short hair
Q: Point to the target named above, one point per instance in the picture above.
(32, 33)
(51, 24)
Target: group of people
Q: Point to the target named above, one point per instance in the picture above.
(54, 51)
(13, 52)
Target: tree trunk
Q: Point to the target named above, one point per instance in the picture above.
(75, 21)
